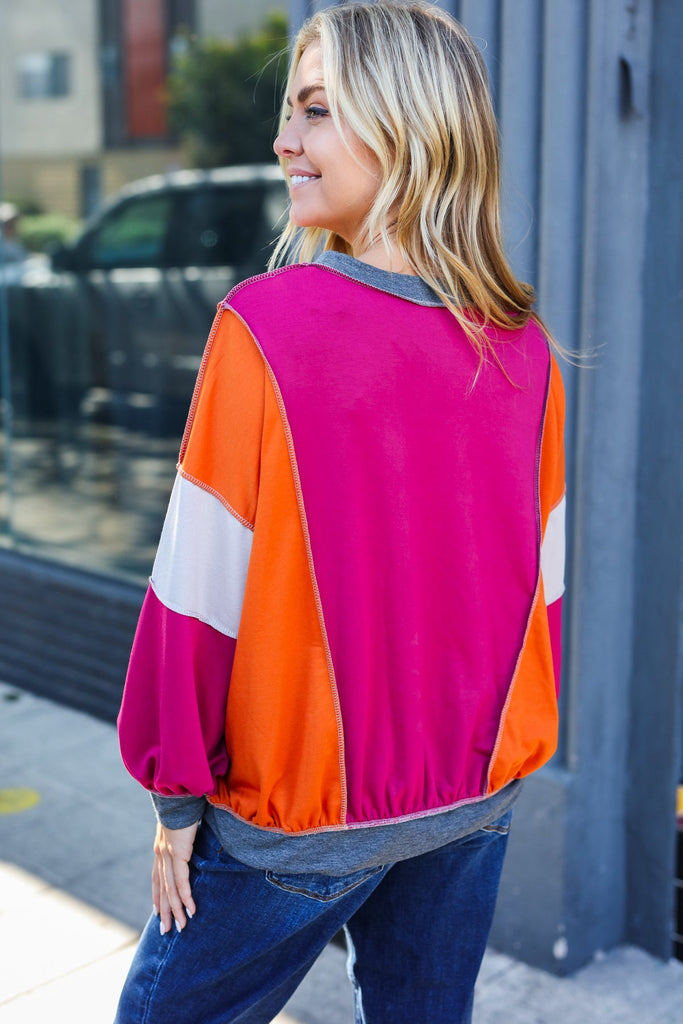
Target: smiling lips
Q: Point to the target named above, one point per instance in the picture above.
(301, 179)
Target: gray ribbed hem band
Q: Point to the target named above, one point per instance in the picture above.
(341, 851)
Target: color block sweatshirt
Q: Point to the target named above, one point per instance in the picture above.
(349, 649)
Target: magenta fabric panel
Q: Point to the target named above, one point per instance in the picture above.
(555, 627)
(421, 499)
(172, 718)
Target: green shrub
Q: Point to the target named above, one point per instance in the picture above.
(42, 232)
(224, 96)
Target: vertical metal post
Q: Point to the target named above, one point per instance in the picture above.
(481, 18)
(519, 114)
(6, 377)
(655, 743)
(299, 10)
(562, 160)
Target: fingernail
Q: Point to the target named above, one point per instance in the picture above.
(177, 926)
(155, 909)
(162, 927)
(189, 913)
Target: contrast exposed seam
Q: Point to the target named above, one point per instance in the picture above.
(212, 490)
(198, 384)
(351, 826)
(311, 568)
(511, 688)
(559, 501)
(213, 623)
(243, 285)
(539, 581)
(537, 466)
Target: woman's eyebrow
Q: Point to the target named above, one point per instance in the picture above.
(304, 93)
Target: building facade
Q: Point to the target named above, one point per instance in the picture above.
(82, 91)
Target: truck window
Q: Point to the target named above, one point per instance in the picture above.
(133, 234)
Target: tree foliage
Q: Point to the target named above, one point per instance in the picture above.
(224, 96)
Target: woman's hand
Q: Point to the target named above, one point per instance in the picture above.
(171, 892)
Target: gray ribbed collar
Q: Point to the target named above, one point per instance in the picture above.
(404, 286)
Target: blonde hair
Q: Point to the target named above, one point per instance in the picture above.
(410, 83)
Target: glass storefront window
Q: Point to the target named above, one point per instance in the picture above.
(115, 252)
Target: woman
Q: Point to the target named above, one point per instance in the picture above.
(348, 654)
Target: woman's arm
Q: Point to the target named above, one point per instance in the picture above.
(172, 718)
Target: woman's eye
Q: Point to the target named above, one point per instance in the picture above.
(312, 113)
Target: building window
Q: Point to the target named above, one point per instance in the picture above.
(42, 75)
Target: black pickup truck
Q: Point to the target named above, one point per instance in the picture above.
(120, 316)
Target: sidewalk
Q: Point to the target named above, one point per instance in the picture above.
(75, 841)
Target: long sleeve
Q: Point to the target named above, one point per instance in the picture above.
(172, 718)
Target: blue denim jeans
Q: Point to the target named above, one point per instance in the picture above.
(416, 932)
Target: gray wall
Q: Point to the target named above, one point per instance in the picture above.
(588, 94)
(656, 725)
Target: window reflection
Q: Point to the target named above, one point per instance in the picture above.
(106, 317)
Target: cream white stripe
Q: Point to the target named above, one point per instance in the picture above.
(552, 554)
(202, 560)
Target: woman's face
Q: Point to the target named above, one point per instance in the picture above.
(331, 186)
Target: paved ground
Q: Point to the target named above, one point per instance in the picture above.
(75, 835)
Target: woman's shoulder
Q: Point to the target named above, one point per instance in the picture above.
(281, 284)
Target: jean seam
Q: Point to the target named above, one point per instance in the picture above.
(157, 977)
(162, 963)
(302, 891)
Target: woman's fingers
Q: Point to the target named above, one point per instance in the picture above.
(156, 886)
(172, 895)
(181, 872)
(171, 892)
(165, 912)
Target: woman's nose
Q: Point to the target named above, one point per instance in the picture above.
(287, 144)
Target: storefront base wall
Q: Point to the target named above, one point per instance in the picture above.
(531, 922)
(66, 634)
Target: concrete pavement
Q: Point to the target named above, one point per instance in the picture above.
(75, 840)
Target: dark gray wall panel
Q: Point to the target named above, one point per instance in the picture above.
(655, 746)
(66, 634)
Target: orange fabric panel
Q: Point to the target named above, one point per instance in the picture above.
(552, 449)
(528, 733)
(283, 725)
(527, 736)
(222, 440)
